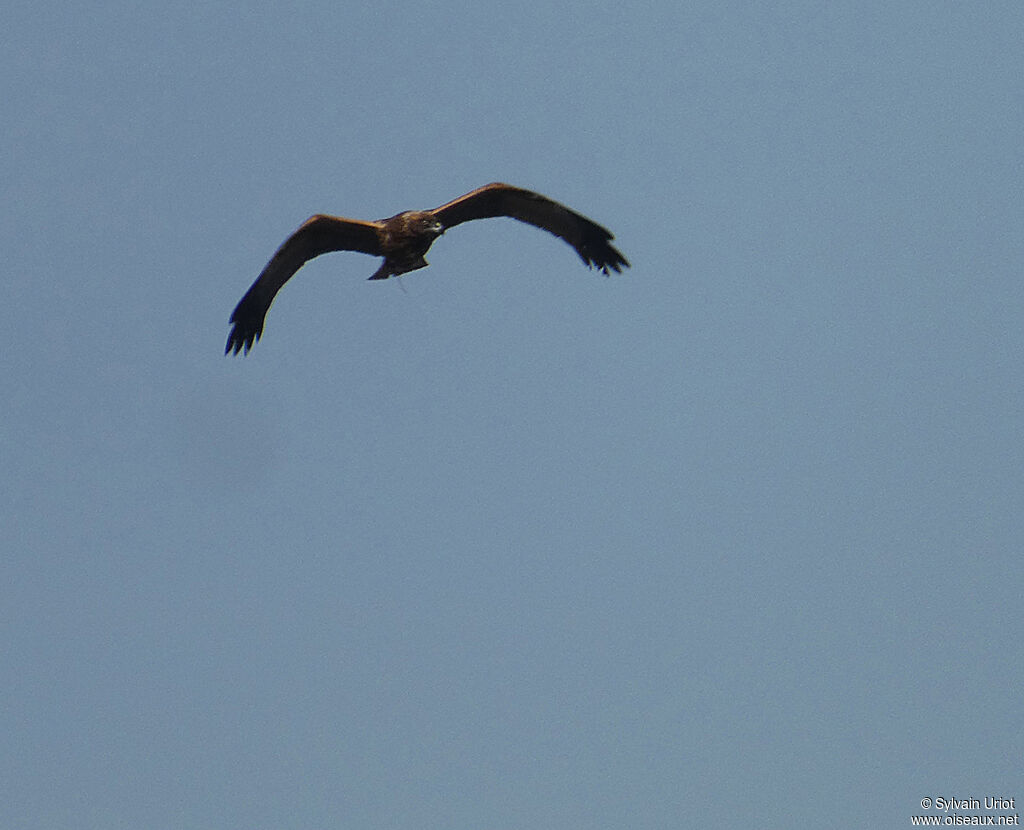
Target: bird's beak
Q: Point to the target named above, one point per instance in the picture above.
(438, 228)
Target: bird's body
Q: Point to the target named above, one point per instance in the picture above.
(404, 239)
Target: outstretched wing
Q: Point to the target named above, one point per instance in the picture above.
(591, 241)
(318, 235)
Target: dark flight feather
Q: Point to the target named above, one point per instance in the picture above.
(318, 235)
(590, 240)
(404, 239)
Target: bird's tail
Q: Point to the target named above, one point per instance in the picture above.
(383, 272)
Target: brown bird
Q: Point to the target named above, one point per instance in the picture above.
(404, 239)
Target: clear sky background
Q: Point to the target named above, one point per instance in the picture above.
(732, 540)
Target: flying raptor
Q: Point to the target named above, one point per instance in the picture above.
(403, 240)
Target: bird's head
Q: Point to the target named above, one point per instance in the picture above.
(426, 224)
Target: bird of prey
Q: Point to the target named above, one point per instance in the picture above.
(404, 239)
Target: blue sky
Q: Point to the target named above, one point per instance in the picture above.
(732, 540)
